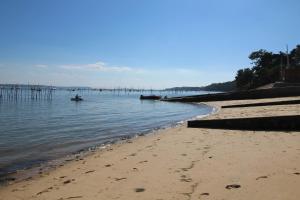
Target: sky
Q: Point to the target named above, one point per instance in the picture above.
(139, 43)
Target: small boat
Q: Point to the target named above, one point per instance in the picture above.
(77, 98)
(150, 97)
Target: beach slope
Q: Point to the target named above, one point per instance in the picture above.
(182, 163)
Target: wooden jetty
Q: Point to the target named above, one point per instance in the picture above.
(11, 92)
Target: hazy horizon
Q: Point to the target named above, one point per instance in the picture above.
(139, 44)
(104, 88)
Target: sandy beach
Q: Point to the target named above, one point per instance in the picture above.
(182, 163)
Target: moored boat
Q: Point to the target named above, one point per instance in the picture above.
(150, 97)
(77, 98)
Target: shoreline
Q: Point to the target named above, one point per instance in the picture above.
(36, 171)
(182, 163)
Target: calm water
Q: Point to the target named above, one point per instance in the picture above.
(32, 132)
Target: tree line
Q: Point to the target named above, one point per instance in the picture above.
(266, 68)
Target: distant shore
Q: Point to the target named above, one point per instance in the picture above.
(182, 163)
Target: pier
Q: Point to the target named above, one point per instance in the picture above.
(25, 92)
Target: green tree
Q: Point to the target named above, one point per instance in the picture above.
(244, 78)
(266, 68)
(295, 56)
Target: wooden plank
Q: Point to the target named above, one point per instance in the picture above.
(274, 103)
(241, 95)
(278, 123)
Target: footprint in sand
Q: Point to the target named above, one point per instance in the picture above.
(68, 181)
(119, 179)
(233, 186)
(186, 180)
(204, 194)
(45, 190)
(189, 167)
(139, 189)
(89, 171)
(75, 197)
(144, 161)
(261, 177)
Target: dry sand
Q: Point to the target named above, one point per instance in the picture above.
(182, 163)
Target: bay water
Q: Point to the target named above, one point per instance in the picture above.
(36, 131)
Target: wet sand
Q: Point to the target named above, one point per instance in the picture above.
(182, 163)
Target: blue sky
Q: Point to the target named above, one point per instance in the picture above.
(139, 43)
